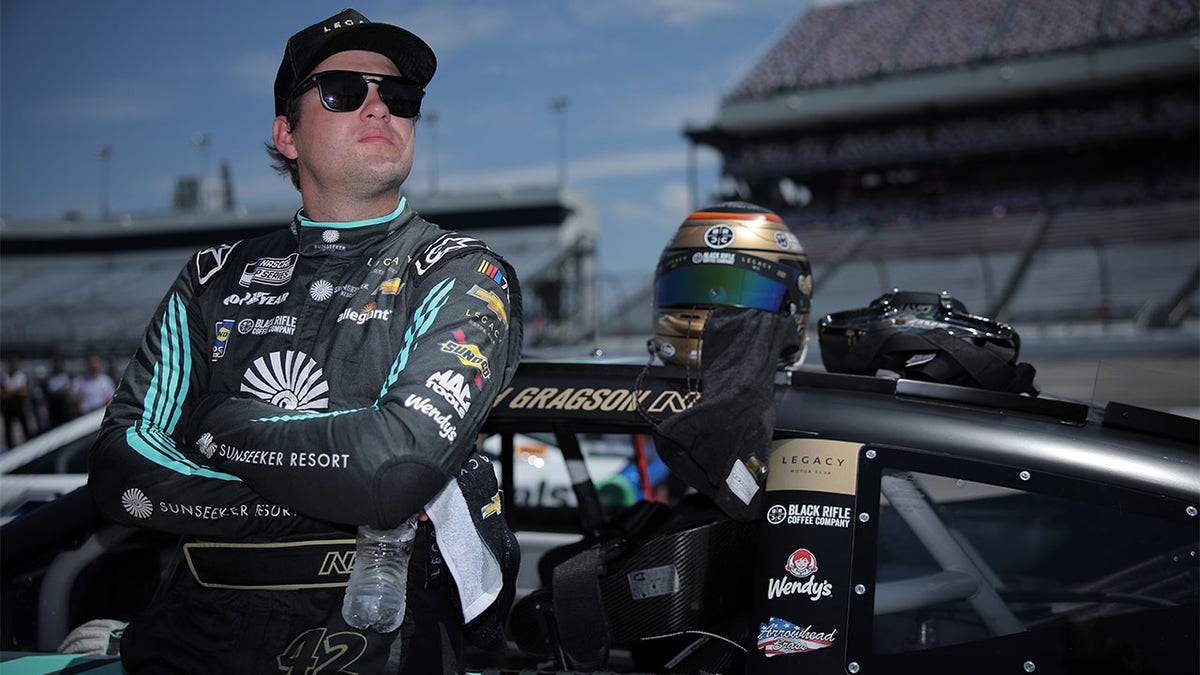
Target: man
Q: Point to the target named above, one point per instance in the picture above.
(330, 375)
(92, 389)
(16, 403)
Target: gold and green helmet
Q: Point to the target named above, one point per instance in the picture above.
(732, 254)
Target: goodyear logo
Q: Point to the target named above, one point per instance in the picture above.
(469, 355)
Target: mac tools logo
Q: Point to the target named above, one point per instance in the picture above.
(291, 380)
(453, 387)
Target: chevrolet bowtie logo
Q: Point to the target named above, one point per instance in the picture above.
(492, 508)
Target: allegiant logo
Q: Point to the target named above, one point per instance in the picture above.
(366, 314)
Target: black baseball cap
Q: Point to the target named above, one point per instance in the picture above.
(345, 31)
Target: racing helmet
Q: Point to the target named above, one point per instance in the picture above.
(733, 254)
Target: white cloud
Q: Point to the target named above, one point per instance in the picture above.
(447, 26)
(254, 72)
(601, 167)
(121, 101)
(675, 13)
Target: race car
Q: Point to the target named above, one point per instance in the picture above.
(906, 526)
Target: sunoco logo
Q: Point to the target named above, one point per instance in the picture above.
(469, 355)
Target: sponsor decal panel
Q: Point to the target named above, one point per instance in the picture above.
(371, 312)
(269, 271)
(486, 323)
(469, 355)
(493, 272)
(223, 330)
(492, 300)
(803, 604)
(332, 652)
(492, 508)
(801, 564)
(284, 324)
(718, 236)
(299, 459)
(821, 515)
(389, 287)
(446, 427)
(330, 240)
(604, 399)
(713, 258)
(211, 260)
(138, 505)
(255, 298)
(290, 379)
(778, 637)
(439, 249)
(452, 387)
(322, 290)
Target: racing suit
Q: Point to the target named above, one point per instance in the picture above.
(289, 388)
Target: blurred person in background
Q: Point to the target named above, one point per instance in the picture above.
(60, 399)
(93, 388)
(16, 403)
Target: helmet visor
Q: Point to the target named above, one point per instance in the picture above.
(691, 285)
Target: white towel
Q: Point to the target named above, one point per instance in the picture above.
(471, 563)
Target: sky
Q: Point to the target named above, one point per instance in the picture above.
(147, 78)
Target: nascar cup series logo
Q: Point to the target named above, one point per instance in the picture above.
(291, 380)
(269, 271)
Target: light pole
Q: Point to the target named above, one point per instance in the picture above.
(202, 142)
(559, 107)
(103, 153)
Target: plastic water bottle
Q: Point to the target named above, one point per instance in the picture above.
(378, 582)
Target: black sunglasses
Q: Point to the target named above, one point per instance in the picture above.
(345, 91)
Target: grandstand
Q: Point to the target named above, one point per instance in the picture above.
(73, 288)
(1039, 160)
